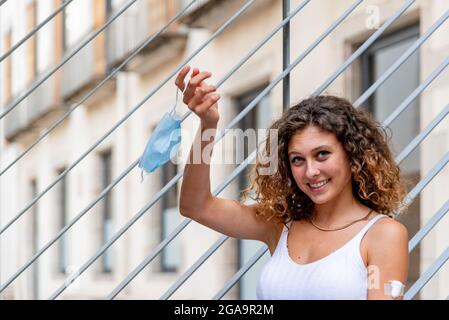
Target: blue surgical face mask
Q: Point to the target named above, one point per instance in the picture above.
(164, 142)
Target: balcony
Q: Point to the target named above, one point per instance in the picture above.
(38, 103)
(211, 14)
(79, 72)
(140, 21)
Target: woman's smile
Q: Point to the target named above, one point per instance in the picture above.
(318, 187)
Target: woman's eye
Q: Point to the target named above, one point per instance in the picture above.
(295, 160)
(323, 153)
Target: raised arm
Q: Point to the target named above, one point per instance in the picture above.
(196, 200)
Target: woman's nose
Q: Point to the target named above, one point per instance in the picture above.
(312, 170)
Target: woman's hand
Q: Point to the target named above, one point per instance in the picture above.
(200, 97)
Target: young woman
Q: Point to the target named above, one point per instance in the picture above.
(326, 214)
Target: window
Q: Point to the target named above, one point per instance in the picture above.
(62, 212)
(114, 5)
(171, 255)
(106, 225)
(31, 49)
(45, 46)
(74, 30)
(375, 61)
(34, 241)
(7, 83)
(258, 118)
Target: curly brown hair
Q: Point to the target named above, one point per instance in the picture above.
(376, 181)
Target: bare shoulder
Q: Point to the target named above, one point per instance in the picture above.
(385, 232)
(389, 228)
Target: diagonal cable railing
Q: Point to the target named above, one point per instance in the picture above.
(115, 182)
(106, 190)
(174, 233)
(98, 86)
(418, 188)
(32, 32)
(286, 55)
(66, 59)
(180, 280)
(364, 46)
(429, 226)
(422, 135)
(235, 120)
(240, 273)
(401, 60)
(435, 73)
(425, 278)
(216, 33)
(405, 152)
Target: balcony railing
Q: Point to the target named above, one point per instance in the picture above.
(38, 103)
(143, 19)
(78, 72)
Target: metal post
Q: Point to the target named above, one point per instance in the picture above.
(286, 55)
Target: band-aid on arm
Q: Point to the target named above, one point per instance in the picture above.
(394, 288)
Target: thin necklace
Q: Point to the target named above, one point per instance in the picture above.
(345, 226)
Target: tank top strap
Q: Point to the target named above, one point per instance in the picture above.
(286, 227)
(370, 223)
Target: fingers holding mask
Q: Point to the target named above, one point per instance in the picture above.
(180, 78)
(200, 97)
(195, 82)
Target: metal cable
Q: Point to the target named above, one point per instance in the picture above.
(240, 273)
(425, 278)
(32, 32)
(66, 59)
(401, 59)
(98, 86)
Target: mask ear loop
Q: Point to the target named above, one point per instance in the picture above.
(177, 100)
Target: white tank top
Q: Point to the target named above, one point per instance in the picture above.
(341, 275)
